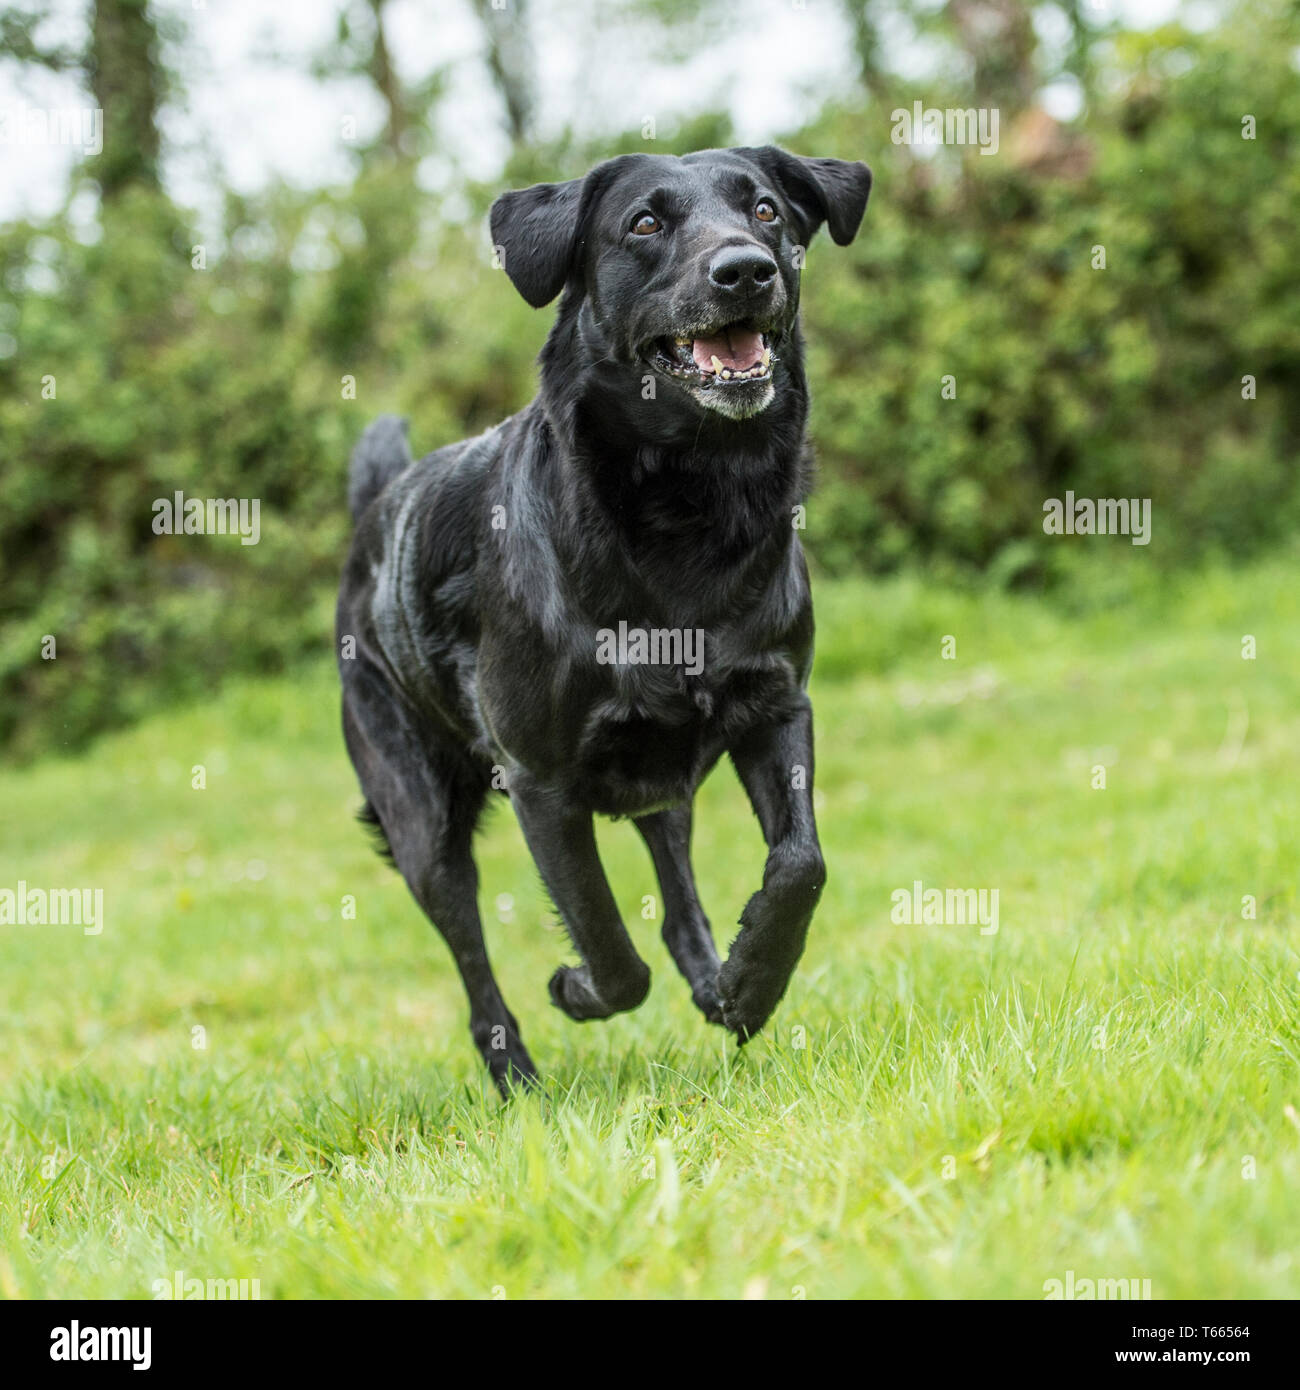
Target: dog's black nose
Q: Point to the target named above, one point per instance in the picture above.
(742, 269)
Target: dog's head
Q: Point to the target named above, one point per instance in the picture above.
(685, 269)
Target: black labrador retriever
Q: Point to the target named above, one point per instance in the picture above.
(589, 604)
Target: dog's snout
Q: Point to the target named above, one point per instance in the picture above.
(742, 270)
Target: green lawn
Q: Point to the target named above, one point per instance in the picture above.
(1109, 1084)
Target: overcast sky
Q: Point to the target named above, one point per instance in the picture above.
(254, 113)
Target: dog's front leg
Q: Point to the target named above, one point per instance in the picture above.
(776, 766)
(686, 929)
(562, 840)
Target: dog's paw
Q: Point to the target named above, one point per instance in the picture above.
(709, 1001)
(748, 997)
(573, 993)
(514, 1073)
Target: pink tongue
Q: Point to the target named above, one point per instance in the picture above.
(737, 349)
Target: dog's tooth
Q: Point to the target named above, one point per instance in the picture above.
(717, 364)
(682, 342)
(767, 358)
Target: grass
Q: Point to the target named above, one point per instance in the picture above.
(1108, 1084)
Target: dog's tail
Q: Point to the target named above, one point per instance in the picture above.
(381, 454)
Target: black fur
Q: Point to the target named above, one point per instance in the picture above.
(633, 490)
(369, 817)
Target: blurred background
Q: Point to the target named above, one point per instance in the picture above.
(287, 197)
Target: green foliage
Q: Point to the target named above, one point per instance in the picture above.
(228, 381)
(1125, 381)
(154, 389)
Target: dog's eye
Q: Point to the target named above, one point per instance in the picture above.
(765, 211)
(647, 224)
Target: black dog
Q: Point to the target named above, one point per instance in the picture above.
(589, 604)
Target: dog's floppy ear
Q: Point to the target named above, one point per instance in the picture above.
(535, 233)
(833, 191)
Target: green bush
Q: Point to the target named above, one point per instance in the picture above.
(229, 381)
(1117, 382)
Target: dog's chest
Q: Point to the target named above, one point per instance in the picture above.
(637, 759)
(657, 729)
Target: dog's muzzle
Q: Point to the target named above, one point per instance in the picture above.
(727, 367)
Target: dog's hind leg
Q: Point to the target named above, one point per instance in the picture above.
(686, 929)
(562, 839)
(427, 802)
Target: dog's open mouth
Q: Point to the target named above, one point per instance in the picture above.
(730, 355)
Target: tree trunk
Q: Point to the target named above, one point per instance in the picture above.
(509, 60)
(385, 78)
(128, 82)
